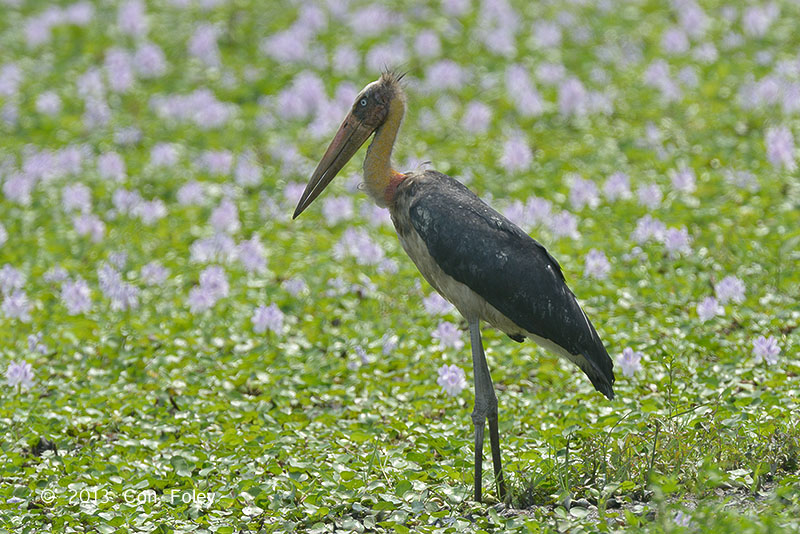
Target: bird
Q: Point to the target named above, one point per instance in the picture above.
(485, 265)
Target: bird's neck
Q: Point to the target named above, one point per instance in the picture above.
(380, 179)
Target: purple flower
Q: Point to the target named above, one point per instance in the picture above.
(11, 279)
(200, 299)
(767, 349)
(154, 274)
(676, 241)
(756, 20)
(741, 179)
(55, 274)
(517, 155)
(647, 229)
(445, 74)
(356, 243)
(650, 196)
(225, 217)
(119, 70)
(477, 117)
(76, 197)
(17, 306)
(728, 289)
(287, 46)
(3, 235)
(149, 61)
(294, 286)
(551, 73)
(684, 180)
(131, 18)
(302, 98)
(448, 335)
(363, 357)
(87, 224)
(215, 281)
(452, 379)
(597, 265)
(111, 166)
(126, 201)
(123, 296)
(345, 60)
(203, 45)
(708, 308)
(267, 318)
(688, 77)
(212, 287)
(191, 193)
(389, 344)
(19, 375)
(657, 75)
(780, 148)
(38, 28)
(436, 305)
(48, 103)
(217, 162)
(151, 211)
(546, 34)
(515, 212)
(76, 296)
(220, 247)
(564, 224)
(35, 343)
(456, 8)
(573, 99)
(336, 209)
(90, 84)
(617, 186)
(17, 188)
(521, 92)
(371, 20)
(199, 107)
(675, 41)
(164, 155)
(537, 210)
(10, 79)
(251, 254)
(682, 519)
(427, 44)
(630, 361)
(96, 113)
(582, 193)
(705, 53)
(248, 171)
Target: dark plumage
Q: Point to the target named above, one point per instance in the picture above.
(486, 252)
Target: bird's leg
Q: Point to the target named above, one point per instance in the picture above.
(485, 407)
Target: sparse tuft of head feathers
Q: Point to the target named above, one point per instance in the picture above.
(391, 78)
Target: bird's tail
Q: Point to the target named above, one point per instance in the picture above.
(597, 364)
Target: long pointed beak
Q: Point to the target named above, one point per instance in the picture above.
(351, 135)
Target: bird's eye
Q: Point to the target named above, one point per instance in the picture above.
(363, 102)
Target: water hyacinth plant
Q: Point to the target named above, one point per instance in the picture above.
(166, 330)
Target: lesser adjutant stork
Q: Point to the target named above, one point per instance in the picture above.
(474, 257)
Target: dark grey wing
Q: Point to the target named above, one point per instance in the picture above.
(497, 260)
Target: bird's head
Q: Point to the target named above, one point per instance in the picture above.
(368, 113)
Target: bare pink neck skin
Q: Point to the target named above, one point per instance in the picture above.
(380, 178)
(391, 190)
